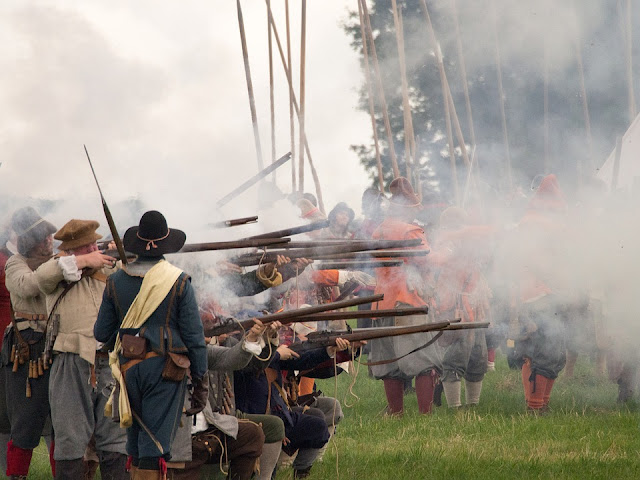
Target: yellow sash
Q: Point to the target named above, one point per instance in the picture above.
(156, 285)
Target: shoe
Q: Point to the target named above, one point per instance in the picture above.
(304, 473)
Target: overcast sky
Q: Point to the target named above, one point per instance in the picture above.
(156, 90)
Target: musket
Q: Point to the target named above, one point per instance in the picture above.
(388, 312)
(107, 213)
(234, 222)
(260, 175)
(244, 243)
(287, 232)
(324, 253)
(357, 265)
(210, 246)
(328, 339)
(290, 316)
(362, 244)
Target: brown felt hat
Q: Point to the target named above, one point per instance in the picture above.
(402, 193)
(77, 233)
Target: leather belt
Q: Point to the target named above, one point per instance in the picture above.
(22, 317)
(126, 366)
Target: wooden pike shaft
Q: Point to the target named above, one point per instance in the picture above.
(629, 63)
(381, 96)
(585, 107)
(303, 46)
(372, 113)
(252, 102)
(271, 96)
(292, 130)
(287, 71)
(505, 132)
(545, 101)
(409, 143)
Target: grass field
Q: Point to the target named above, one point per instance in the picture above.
(586, 436)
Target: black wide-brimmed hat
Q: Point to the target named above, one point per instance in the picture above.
(152, 237)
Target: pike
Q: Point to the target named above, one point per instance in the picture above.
(258, 176)
(290, 316)
(107, 214)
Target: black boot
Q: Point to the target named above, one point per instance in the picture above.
(70, 469)
(113, 466)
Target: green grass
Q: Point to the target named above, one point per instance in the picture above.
(586, 436)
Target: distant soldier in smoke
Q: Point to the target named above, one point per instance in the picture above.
(539, 253)
(400, 286)
(461, 291)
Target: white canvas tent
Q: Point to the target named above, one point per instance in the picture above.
(629, 163)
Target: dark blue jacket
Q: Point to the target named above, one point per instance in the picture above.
(251, 386)
(175, 326)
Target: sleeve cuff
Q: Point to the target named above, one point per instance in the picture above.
(69, 268)
(252, 347)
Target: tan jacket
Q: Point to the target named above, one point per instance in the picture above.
(22, 284)
(78, 309)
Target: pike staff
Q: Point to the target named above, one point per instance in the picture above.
(252, 101)
(107, 214)
(382, 99)
(287, 71)
(372, 112)
(409, 140)
(292, 129)
(303, 48)
(271, 97)
(505, 133)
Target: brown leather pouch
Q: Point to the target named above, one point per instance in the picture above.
(133, 347)
(176, 366)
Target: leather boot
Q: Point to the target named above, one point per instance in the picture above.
(113, 466)
(425, 385)
(537, 388)
(394, 390)
(70, 469)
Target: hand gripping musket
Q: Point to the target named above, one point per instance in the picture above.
(107, 214)
(290, 316)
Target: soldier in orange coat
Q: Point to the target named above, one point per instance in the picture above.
(540, 252)
(401, 287)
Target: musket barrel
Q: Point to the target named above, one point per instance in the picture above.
(294, 230)
(391, 312)
(290, 315)
(329, 339)
(244, 243)
(357, 265)
(234, 222)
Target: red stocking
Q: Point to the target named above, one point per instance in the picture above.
(425, 385)
(394, 390)
(18, 460)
